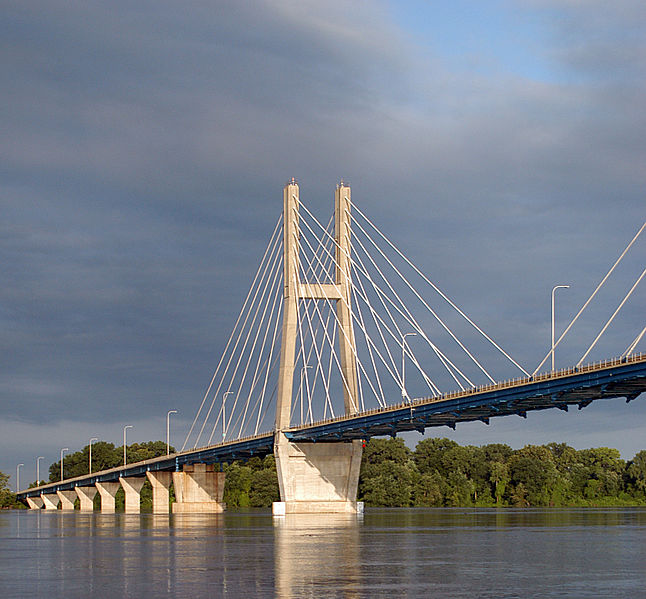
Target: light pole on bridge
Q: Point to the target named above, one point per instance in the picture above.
(124, 442)
(90, 461)
(553, 291)
(168, 430)
(40, 457)
(62, 451)
(404, 394)
(18, 477)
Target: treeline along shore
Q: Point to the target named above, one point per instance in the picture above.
(437, 473)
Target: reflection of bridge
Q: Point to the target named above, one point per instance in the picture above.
(334, 337)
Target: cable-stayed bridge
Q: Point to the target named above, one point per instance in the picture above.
(338, 330)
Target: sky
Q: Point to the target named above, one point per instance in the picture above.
(144, 147)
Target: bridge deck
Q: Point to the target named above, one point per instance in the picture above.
(625, 377)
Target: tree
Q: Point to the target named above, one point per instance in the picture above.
(387, 473)
(7, 498)
(637, 471)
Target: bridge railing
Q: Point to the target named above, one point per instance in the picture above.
(516, 382)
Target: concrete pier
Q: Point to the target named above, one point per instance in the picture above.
(50, 501)
(35, 503)
(86, 498)
(132, 488)
(198, 490)
(160, 482)
(67, 499)
(107, 492)
(317, 477)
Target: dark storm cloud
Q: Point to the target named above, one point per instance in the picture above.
(145, 147)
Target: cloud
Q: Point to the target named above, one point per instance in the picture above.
(145, 148)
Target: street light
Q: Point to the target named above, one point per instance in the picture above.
(124, 442)
(90, 464)
(404, 394)
(224, 414)
(553, 290)
(18, 477)
(40, 457)
(168, 430)
(63, 450)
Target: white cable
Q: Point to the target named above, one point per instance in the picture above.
(603, 330)
(439, 291)
(262, 284)
(591, 297)
(419, 297)
(271, 239)
(633, 345)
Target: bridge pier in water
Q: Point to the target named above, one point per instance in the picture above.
(160, 482)
(199, 489)
(35, 503)
(86, 498)
(132, 488)
(67, 499)
(108, 491)
(50, 501)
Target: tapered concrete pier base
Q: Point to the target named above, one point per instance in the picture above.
(160, 482)
(132, 488)
(86, 498)
(67, 499)
(317, 477)
(35, 503)
(50, 501)
(198, 490)
(107, 492)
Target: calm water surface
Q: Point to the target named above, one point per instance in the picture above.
(388, 553)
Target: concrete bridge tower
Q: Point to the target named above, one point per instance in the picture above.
(316, 477)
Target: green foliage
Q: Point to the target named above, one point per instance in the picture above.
(439, 472)
(7, 498)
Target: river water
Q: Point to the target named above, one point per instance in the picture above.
(432, 553)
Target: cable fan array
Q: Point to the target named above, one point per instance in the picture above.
(402, 344)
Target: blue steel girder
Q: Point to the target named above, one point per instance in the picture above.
(580, 389)
(626, 379)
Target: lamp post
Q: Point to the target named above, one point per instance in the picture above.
(40, 457)
(404, 394)
(224, 414)
(124, 442)
(90, 464)
(168, 430)
(62, 451)
(553, 291)
(18, 477)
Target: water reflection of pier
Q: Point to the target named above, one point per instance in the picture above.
(315, 553)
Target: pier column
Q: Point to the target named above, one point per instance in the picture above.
(132, 487)
(86, 498)
(67, 499)
(160, 482)
(198, 489)
(35, 503)
(50, 501)
(317, 477)
(107, 492)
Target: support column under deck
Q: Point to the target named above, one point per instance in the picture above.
(67, 499)
(108, 492)
(86, 498)
(198, 490)
(35, 503)
(160, 482)
(132, 488)
(50, 501)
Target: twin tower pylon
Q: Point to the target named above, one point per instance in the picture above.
(316, 477)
